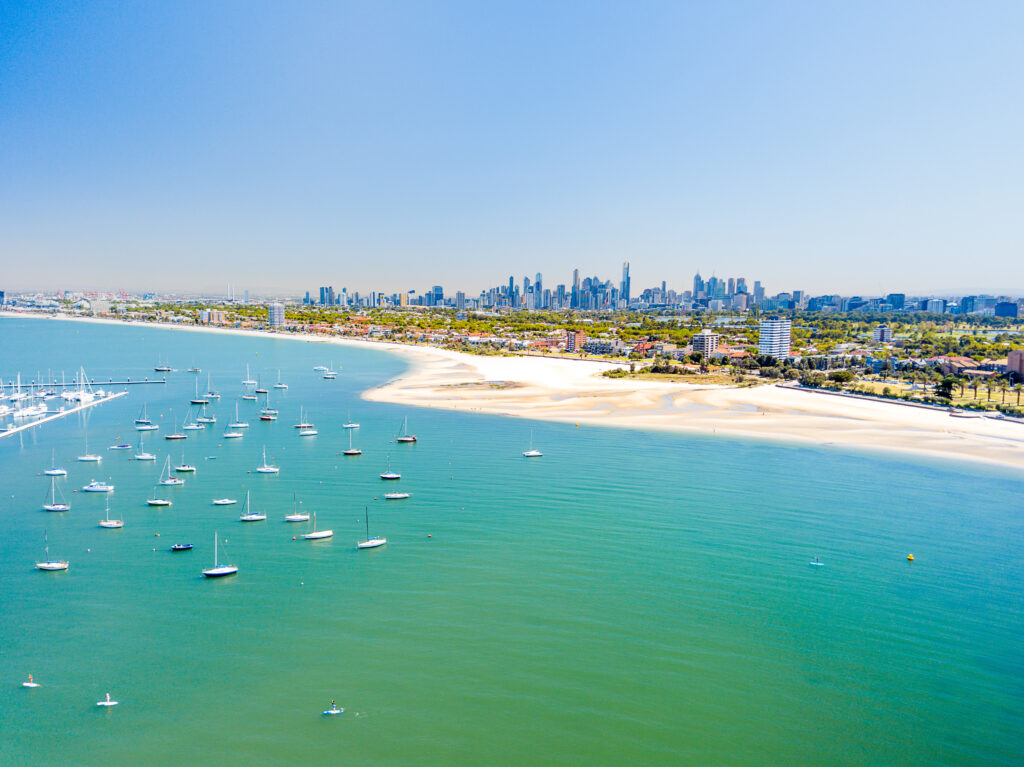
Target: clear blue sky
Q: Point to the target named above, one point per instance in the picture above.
(848, 147)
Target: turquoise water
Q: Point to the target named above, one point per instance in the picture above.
(629, 598)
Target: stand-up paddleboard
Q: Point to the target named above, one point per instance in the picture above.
(107, 702)
(29, 684)
(333, 711)
(816, 563)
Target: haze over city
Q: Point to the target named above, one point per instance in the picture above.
(862, 149)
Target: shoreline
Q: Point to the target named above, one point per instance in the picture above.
(562, 390)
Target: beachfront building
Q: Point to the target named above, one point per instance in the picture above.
(574, 340)
(882, 334)
(706, 343)
(775, 338)
(275, 315)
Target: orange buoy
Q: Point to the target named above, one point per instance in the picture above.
(910, 557)
(293, 537)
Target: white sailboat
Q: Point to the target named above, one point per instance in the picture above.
(143, 419)
(279, 384)
(218, 570)
(156, 500)
(204, 418)
(260, 388)
(307, 430)
(320, 369)
(166, 478)
(248, 515)
(405, 436)
(54, 470)
(191, 424)
(50, 565)
(176, 434)
(88, 457)
(296, 515)
(238, 423)
(266, 468)
(317, 535)
(184, 467)
(302, 423)
(351, 450)
(248, 378)
(233, 434)
(142, 455)
(197, 400)
(390, 474)
(211, 393)
(108, 522)
(531, 453)
(351, 424)
(370, 543)
(224, 501)
(54, 504)
(268, 413)
(395, 496)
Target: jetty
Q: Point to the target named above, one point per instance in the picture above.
(53, 416)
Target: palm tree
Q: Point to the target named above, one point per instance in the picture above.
(1017, 389)
(974, 387)
(988, 388)
(1003, 386)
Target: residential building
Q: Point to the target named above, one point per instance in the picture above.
(275, 315)
(705, 342)
(882, 334)
(1005, 309)
(574, 340)
(1015, 364)
(775, 338)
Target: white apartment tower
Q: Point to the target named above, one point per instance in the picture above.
(705, 342)
(275, 315)
(775, 336)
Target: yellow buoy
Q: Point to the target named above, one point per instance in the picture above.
(910, 557)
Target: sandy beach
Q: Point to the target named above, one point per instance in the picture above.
(573, 391)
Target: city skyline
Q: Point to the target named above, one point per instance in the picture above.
(870, 146)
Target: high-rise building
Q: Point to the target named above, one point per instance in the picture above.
(705, 342)
(460, 300)
(1015, 364)
(1002, 309)
(437, 295)
(275, 315)
(247, 297)
(574, 340)
(882, 334)
(758, 292)
(775, 338)
(403, 299)
(741, 284)
(897, 300)
(624, 287)
(935, 306)
(731, 289)
(1, 298)
(698, 285)
(538, 291)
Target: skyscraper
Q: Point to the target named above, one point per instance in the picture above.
(698, 285)
(437, 295)
(538, 291)
(275, 315)
(624, 287)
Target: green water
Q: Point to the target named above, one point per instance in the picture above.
(629, 598)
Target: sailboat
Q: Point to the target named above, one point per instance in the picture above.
(531, 453)
(211, 393)
(308, 430)
(248, 515)
(54, 505)
(224, 501)
(142, 455)
(197, 400)
(184, 467)
(195, 369)
(143, 419)
(395, 496)
(351, 450)
(89, 457)
(296, 515)
(238, 424)
(204, 418)
(191, 425)
(161, 367)
(248, 378)
(166, 479)
(370, 543)
(156, 500)
(119, 445)
(176, 434)
(259, 386)
(218, 570)
(268, 413)
(317, 535)
(50, 565)
(405, 436)
(266, 468)
(107, 521)
(351, 424)
(54, 470)
(302, 424)
(279, 384)
(390, 474)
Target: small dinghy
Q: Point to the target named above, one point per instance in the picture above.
(181, 547)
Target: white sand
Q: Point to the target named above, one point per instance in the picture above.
(572, 391)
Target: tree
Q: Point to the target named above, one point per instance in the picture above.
(988, 388)
(1017, 389)
(1003, 386)
(974, 387)
(841, 376)
(944, 388)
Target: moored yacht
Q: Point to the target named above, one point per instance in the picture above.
(218, 570)
(54, 470)
(351, 450)
(142, 455)
(96, 486)
(316, 535)
(108, 522)
(54, 504)
(248, 515)
(390, 474)
(50, 565)
(166, 478)
(266, 468)
(296, 515)
(370, 543)
(405, 436)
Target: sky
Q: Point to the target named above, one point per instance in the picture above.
(826, 146)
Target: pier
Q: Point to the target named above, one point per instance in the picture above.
(61, 413)
(65, 384)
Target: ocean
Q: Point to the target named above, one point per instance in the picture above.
(628, 598)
